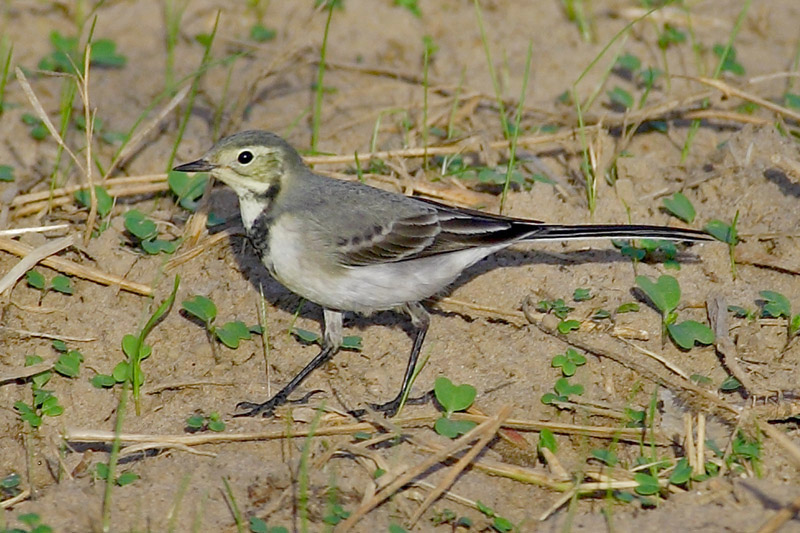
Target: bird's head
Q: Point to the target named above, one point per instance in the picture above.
(250, 162)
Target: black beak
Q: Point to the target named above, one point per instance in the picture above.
(201, 165)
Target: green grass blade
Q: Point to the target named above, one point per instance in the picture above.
(495, 82)
(316, 116)
(193, 92)
(113, 458)
(737, 26)
(159, 313)
(237, 514)
(515, 134)
(4, 76)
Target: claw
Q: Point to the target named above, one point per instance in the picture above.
(267, 409)
(304, 399)
(390, 408)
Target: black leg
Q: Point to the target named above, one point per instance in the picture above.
(330, 345)
(268, 408)
(421, 320)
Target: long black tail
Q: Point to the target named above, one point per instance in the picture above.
(556, 232)
(464, 228)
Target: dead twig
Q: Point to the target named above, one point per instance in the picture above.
(459, 467)
(730, 90)
(26, 372)
(11, 502)
(37, 107)
(133, 144)
(781, 517)
(31, 259)
(718, 317)
(42, 335)
(36, 229)
(112, 183)
(490, 425)
(658, 357)
(201, 247)
(69, 267)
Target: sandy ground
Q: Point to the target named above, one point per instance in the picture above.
(375, 52)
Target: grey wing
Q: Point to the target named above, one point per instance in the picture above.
(438, 229)
(467, 228)
(403, 238)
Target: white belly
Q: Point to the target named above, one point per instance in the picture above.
(297, 264)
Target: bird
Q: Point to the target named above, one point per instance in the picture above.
(350, 247)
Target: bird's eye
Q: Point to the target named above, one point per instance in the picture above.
(245, 157)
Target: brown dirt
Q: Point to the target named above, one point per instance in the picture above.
(730, 167)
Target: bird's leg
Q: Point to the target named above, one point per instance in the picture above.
(420, 319)
(332, 340)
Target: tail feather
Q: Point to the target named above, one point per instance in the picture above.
(555, 232)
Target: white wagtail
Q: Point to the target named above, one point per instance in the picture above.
(350, 247)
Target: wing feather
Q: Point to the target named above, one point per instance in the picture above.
(398, 240)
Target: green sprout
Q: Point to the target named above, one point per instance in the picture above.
(582, 294)
(745, 450)
(6, 173)
(547, 440)
(349, 342)
(44, 402)
(230, 334)
(448, 516)
(102, 471)
(727, 56)
(665, 293)
(145, 233)
(776, 305)
(187, 188)
(680, 206)
(261, 34)
(105, 202)
(453, 398)
(627, 307)
(38, 131)
(34, 522)
(66, 56)
(620, 98)
(560, 309)
(791, 100)
(201, 422)
(654, 249)
(136, 351)
(59, 283)
(730, 384)
(728, 234)
(500, 524)
(670, 36)
(568, 362)
(257, 525)
(411, 5)
(9, 486)
(647, 484)
(607, 457)
(563, 390)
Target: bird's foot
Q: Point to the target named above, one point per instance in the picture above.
(267, 409)
(390, 408)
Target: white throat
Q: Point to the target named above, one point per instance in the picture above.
(252, 204)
